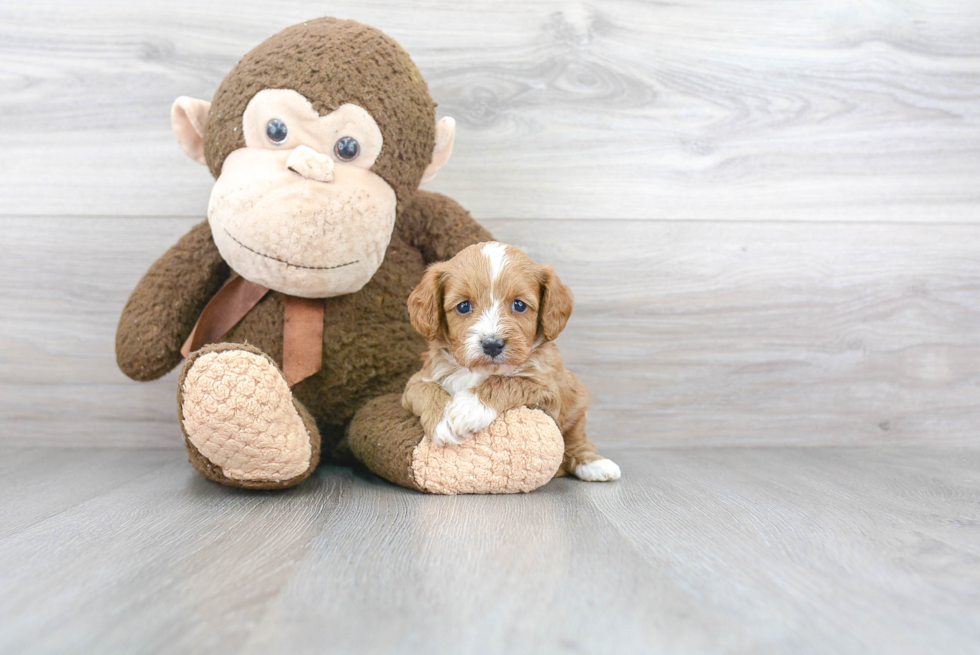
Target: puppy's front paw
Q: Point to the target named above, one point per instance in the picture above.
(467, 414)
(444, 434)
(600, 470)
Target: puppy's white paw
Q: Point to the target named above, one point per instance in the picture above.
(600, 470)
(444, 434)
(467, 414)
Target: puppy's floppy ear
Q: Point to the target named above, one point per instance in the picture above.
(425, 303)
(556, 304)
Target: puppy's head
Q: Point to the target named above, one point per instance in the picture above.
(490, 305)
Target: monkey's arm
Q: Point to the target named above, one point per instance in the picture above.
(427, 400)
(166, 303)
(439, 226)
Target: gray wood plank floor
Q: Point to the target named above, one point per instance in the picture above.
(835, 550)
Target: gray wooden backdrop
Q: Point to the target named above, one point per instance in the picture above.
(768, 210)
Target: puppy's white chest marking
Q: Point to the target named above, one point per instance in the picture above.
(452, 377)
(461, 380)
(465, 414)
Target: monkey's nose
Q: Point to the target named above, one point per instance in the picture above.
(493, 346)
(311, 164)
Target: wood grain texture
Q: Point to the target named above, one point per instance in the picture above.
(700, 109)
(706, 333)
(880, 536)
(802, 551)
(166, 563)
(41, 482)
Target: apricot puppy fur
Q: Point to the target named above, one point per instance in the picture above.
(490, 315)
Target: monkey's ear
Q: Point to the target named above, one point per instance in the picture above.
(445, 135)
(188, 117)
(425, 304)
(556, 304)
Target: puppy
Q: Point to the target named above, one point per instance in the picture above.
(490, 315)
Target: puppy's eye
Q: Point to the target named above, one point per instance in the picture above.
(276, 131)
(347, 148)
(464, 307)
(519, 306)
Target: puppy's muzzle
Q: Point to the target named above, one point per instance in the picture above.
(492, 346)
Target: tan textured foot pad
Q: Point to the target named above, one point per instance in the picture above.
(238, 412)
(517, 453)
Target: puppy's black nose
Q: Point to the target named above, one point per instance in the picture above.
(493, 347)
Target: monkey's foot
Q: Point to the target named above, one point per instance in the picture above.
(242, 426)
(518, 452)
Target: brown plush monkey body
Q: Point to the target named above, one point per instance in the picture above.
(319, 139)
(369, 346)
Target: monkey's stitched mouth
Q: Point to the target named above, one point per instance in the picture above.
(283, 261)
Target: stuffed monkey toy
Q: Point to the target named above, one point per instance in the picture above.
(288, 304)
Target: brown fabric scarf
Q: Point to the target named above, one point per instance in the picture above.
(302, 332)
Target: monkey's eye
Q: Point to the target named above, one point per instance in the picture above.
(464, 307)
(347, 148)
(519, 306)
(276, 131)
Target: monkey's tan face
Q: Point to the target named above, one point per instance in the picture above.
(298, 209)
